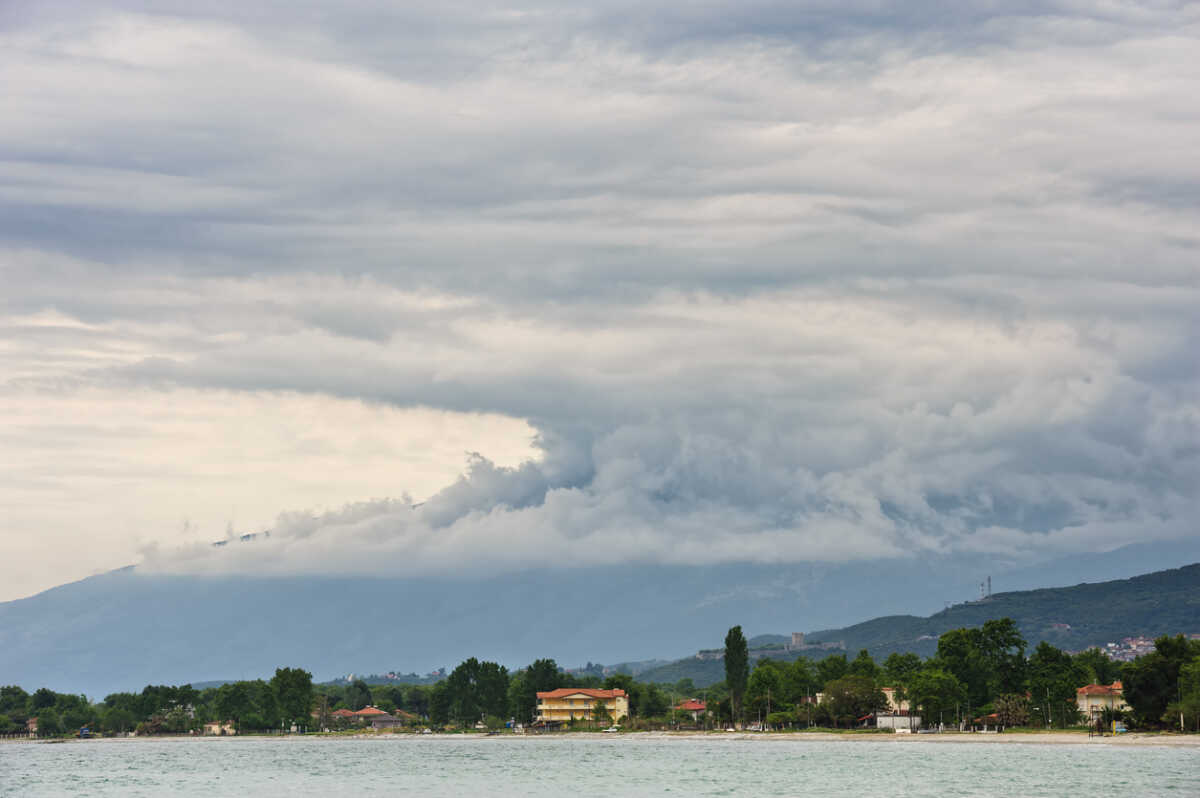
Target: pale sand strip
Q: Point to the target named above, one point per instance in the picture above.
(1016, 738)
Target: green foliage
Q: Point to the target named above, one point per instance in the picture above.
(1153, 681)
(1012, 710)
(476, 689)
(541, 675)
(936, 694)
(899, 668)
(42, 699)
(601, 715)
(853, 696)
(987, 661)
(358, 695)
(764, 690)
(737, 668)
(14, 701)
(49, 723)
(831, 669)
(293, 689)
(863, 665)
(1100, 668)
(1053, 677)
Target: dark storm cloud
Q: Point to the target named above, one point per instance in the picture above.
(772, 281)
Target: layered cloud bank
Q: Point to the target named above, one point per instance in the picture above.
(768, 282)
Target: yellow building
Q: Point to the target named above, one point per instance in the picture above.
(894, 706)
(579, 703)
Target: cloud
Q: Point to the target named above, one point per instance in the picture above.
(771, 282)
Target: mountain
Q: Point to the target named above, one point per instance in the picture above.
(125, 629)
(1072, 618)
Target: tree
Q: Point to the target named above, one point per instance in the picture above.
(358, 695)
(1101, 669)
(233, 702)
(899, 668)
(1187, 707)
(831, 668)
(1152, 681)
(798, 681)
(935, 693)
(863, 665)
(42, 699)
(988, 661)
(764, 691)
(439, 704)
(737, 669)
(1003, 651)
(13, 701)
(1012, 710)
(541, 675)
(477, 689)
(1053, 678)
(49, 723)
(852, 696)
(600, 714)
(294, 692)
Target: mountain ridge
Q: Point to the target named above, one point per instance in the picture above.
(1161, 602)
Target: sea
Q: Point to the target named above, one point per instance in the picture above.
(570, 765)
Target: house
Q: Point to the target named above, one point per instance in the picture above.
(394, 720)
(368, 714)
(31, 726)
(343, 714)
(1092, 699)
(216, 728)
(894, 706)
(697, 708)
(386, 721)
(579, 703)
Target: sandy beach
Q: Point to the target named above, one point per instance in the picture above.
(1011, 738)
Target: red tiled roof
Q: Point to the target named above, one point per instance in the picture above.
(691, 705)
(342, 713)
(1099, 689)
(370, 712)
(563, 692)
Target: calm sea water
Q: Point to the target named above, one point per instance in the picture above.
(622, 766)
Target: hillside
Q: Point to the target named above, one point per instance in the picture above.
(128, 628)
(1072, 618)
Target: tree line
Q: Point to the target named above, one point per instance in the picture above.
(976, 673)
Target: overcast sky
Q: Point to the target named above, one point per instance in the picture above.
(602, 282)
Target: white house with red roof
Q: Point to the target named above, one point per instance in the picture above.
(1092, 699)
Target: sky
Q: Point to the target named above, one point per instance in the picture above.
(465, 287)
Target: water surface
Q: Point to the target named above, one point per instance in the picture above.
(581, 767)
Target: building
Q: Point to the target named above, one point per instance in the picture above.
(894, 706)
(216, 728)
(697, 708)
(392, 721)
(1092, 699)
(579, 703)
(895, 720)
(368, 714)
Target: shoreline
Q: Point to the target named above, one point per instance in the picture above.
(1134, 739)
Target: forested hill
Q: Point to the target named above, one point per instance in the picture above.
(1071, 618)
